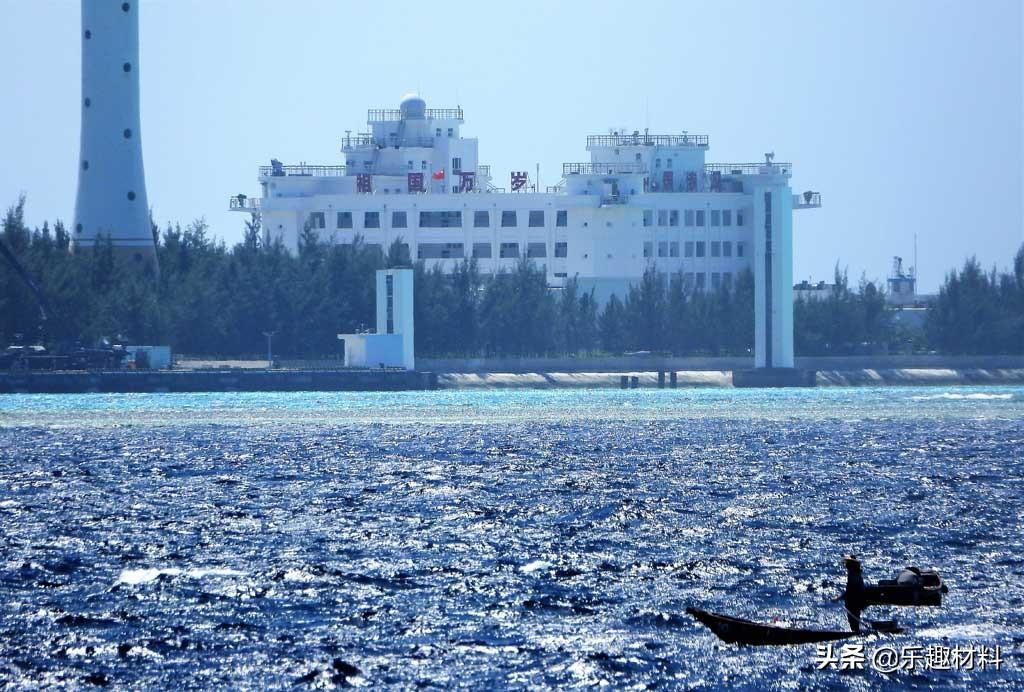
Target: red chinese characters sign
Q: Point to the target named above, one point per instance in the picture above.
(415, 182)
(363, 182)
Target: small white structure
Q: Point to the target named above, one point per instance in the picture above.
(392, 346)
(149, 357)
(111, 202)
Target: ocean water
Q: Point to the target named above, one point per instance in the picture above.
(498, 539)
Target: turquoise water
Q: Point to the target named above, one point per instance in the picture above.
(485, 406)
(497, 539)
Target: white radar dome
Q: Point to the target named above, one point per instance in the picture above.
(413, 108)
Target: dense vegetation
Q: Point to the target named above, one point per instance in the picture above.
(214, 300)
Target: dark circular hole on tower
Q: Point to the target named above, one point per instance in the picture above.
(78, 228)
(127, 133)
(88, 101)
(131, 196)
(127, 67)
(125, 6)
(88, 34)
(85, 165)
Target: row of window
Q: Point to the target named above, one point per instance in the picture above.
(719, 248)
(438, 219)
(692, 217)
(483, 250)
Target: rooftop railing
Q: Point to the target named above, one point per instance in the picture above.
(301, 170)
(749, 168)
(483, 170)
(589, 168)
(638, 139)
(376, 115)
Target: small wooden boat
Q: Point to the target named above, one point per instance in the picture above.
(738, 631)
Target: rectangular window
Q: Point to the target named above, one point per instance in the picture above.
(701, 247)
(727, 217)
(437, 132)
(716, 248)
(536, 219)
(536, 250)
(455, 189)
(562, 218)
(344, 219)
(451, 131)
(739, 218)
(701, 280)
(688, 217)
(663, 217)
(648, 248)
(481, 219)
(673, 217)
(716, 217)
(688, 280)
(657, 163)
(440, 251)
(482, 250)
(509, 250)
(561, 249)
(409, 165)
(398, 219)
(716, 280)
(508, 220)
(648, 217)
(673, 249)
(688, 248)
(700, 217)
(316, 219)
(739, 248)
(440, 219)
(560, 275)
(662, 248)
(727, 279)
(423, 164)
(726, 248)
(457, 164)
(371, 219)
(668, 163)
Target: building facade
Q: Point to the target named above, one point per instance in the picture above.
(642, 201)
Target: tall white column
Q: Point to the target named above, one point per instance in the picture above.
(111, 201)
(773, 275)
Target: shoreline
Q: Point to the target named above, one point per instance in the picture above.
(189, 381)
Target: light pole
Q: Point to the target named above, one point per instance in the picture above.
(270, 353)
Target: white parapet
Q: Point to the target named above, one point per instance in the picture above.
(111, 201)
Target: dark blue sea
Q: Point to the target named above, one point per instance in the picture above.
(498, 539)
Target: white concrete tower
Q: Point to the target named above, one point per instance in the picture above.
(773, 271)
(111, 200)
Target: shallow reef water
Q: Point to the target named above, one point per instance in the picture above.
(497, 539)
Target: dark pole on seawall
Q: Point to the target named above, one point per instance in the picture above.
(270, 353)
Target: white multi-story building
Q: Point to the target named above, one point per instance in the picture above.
(642, 201)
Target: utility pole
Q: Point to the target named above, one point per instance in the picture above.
(270, 353)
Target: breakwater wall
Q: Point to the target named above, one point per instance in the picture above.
(215, 381)
(649, 363)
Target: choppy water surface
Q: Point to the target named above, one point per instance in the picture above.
(495, 539)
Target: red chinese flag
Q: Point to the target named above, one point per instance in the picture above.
(439, 175)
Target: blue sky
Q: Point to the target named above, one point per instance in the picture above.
(907, 116)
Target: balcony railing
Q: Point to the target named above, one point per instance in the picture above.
(376, 115)
(244, 203)
(302, 170)
(355, 141)
(614, 199)
(638, 139)
(749, 168)
(612, 168)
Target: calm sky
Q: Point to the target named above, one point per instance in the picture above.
(907, 116)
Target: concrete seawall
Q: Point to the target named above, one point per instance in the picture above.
(723, 378)
(214, 381)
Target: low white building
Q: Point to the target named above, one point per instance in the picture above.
(642, 201)
(393, 343)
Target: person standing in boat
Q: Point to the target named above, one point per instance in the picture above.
(853, 597)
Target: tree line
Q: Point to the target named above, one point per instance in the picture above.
(211, 299)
